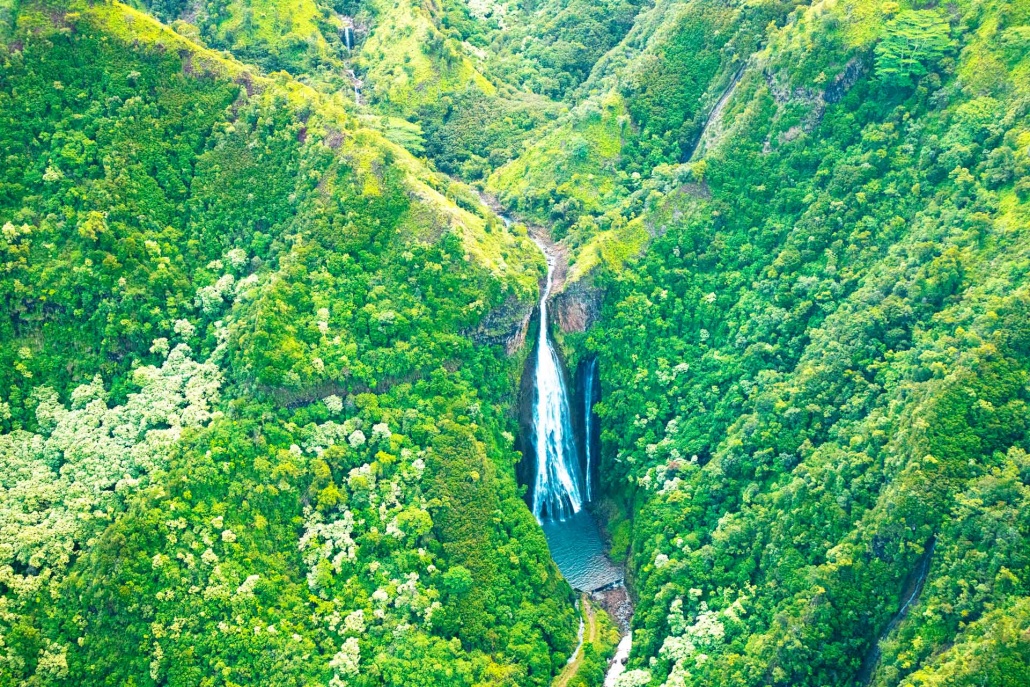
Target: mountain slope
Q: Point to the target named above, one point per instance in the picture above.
(258, 375)
(650, 97)
(247, 436)
(815, 410)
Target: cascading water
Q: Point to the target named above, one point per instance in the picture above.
(588, 426)
(348, 41)
(573, 535)
(557, 491)
(557, 501)
(356, 83)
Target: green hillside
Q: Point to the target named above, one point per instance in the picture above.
(817, 376)
(264, 341)
(247, 436)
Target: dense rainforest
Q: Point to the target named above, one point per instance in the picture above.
(265, 331)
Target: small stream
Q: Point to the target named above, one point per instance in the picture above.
(913, 589)
(618, 664)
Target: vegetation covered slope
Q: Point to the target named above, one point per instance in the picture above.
(256, 420)
(303, 37)
(816, 379)
(246, 436)
(648, 101)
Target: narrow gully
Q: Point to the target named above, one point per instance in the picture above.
(562, 480)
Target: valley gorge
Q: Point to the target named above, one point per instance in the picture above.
(372, 343)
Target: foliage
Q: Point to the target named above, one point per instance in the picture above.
(329, 496)
(817, 369)
(301, 36)
(256, 424)
(912, 41)
(649, 101)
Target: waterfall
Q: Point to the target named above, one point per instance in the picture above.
(588, 426)
(356, 82)
(556, 491)
(348, 37)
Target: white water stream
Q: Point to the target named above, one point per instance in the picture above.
(618, 664)
(579, 640)
(588, 425)
(557, 488)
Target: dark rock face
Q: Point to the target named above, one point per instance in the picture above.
(504, 326)
(814, 99)
(525, 469)
(577, 307)
(845, 80)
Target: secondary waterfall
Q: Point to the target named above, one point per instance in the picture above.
(557, 489)
(356, 83)
(588, 425)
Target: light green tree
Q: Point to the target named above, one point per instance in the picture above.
(914, 40)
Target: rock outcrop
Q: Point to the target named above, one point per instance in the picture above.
(578, 306)
(505, 325)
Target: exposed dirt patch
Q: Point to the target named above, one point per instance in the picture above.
(557, 254)
(590, 633)
(186, 58)
(334, 139)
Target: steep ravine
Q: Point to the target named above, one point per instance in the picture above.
(559, 444)
(913, 588)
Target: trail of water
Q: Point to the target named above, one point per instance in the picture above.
(588, 426)
(716, 113)
(579, 642)
(557, 488)
(356, 83)
(872, 659)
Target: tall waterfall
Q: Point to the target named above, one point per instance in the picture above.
(588, 426)
(556, 491)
